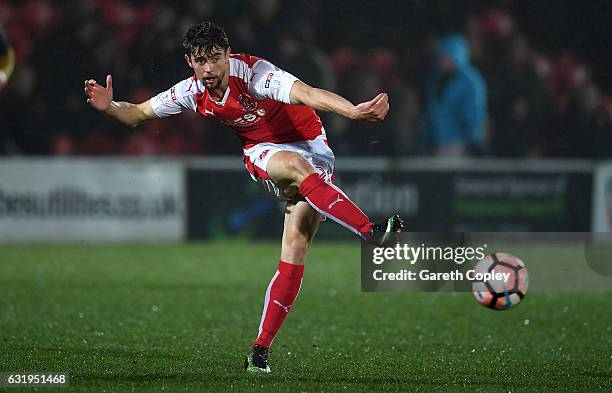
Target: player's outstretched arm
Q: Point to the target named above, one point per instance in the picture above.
(101, 98)
(373, 110)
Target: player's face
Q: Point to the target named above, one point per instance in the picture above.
(211, 69)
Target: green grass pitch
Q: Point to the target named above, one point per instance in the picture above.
(181, 317)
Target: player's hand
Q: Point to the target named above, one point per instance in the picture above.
(374, 110)
(98, 96)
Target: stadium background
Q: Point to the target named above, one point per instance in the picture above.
(548, 97)
(178, 316)
(528, 53)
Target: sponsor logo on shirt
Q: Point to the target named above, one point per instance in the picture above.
(269, 79)
(246, 120)
(173, 93)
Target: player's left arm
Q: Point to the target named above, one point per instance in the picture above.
(268, 81)
(324, 100)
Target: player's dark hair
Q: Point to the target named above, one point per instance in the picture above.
(203, 38)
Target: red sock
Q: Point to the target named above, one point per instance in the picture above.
(330, 201)
(281, 293)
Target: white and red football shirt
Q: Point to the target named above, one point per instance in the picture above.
(256, 103)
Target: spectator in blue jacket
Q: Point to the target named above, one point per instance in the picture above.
(455, 102)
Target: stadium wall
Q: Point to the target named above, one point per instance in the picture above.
(91, 200)
(150, 200)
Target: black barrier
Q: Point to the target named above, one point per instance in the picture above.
(521, 201)
(226, 202)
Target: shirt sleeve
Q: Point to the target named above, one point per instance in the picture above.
(269, 81)
(176, 99)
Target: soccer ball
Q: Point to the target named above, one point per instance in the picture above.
(508, 284)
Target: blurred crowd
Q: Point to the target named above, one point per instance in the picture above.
(546, 81)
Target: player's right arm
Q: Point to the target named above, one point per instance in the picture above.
(173, 101)
(101, 98)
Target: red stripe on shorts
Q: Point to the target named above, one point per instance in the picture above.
(254, 170)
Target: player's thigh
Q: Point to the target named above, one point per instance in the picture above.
(301, 224)
(288, 168)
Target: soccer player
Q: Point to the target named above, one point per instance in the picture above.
(285, 150)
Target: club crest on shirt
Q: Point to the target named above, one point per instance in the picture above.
(247, 102)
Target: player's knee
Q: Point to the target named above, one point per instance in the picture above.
(299, 167)
(298, 244)
(299, 237)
